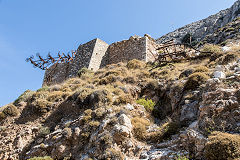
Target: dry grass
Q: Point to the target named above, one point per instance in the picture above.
(41, 158)
(195, 80)
(165, 131)
(88, 112)
(94, 124)
(107, 80)
(8, 110)
(112, 153)
(83, 72)
(86, 118)
(223, 146)
(202, 69)
(100, 112)
(24, 97)
(57, 96)
(211, 48)
(42, 105)
(227, 58)
(123, 99)
(135, 64)
(139, 127)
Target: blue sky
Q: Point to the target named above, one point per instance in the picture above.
(31, 26)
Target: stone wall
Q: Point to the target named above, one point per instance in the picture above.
(88, 55)
(82, 58)
(141, 48)
(97, 53)
(151, 47)
(57, 73)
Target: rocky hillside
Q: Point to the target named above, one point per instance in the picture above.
(205, 27)
(184, 110)
(229, 32)
(189, 109)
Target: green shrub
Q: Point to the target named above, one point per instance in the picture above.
(195, 80)
(222, 146)
(24, 97)
(41, 158)
(148, 104)
(135, 64)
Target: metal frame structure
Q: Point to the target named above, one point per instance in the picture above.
(172, 52)
(45, 63)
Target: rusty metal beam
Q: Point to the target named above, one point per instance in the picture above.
(44, 63)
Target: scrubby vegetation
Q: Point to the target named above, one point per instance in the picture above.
(8, 110)
(24, 97)
(139, 128)
(165, 131)
(223, 146)
(84, 71)
(211, 48)
(148, 104)
(91, 104)
(202, 69)
(41, 158)
(195, 80)
(135, 64)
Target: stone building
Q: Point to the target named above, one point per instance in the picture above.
(97, 54)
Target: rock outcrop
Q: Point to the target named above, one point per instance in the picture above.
(135, 110)
(205, 27)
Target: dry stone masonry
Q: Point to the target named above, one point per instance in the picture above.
(97, 54)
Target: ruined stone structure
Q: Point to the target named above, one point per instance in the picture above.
(141, 48)
(88, 55)
(97, 53)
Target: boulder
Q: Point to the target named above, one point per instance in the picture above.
(129, 107)
(219, 74)
(189, 112)
(125, 121)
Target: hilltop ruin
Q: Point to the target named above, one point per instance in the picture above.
(96, 54)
